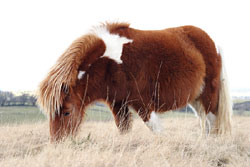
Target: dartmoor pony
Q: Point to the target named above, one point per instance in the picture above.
(149, 71)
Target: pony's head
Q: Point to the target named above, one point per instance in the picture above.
(66, 120)
(56, 93)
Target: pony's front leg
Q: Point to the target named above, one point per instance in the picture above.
(122, 116)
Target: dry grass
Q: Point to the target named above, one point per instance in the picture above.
(99, 144)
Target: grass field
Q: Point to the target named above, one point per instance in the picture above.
(18, 115)
(25, 142)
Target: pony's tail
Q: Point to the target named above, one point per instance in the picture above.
(224, 122)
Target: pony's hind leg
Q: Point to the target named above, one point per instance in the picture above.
(207, 121)
(122, 116)
(217, 104)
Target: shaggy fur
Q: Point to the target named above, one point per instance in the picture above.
(159, 71)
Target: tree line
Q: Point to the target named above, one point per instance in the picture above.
(24, 99)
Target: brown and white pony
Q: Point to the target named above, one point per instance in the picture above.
(149, 71)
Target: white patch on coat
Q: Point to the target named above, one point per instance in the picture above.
(154, 123)
(114, 43)
(80, 74)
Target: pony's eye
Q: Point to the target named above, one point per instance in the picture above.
(66, 113)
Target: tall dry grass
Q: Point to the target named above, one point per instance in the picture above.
(99, 144)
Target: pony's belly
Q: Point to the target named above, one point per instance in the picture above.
(172, 101)
(176, 91)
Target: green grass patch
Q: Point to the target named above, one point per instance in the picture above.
(176, 114)
(240, 100)
(17, 115)
(24, 114)
(98, 113)
(241, 113)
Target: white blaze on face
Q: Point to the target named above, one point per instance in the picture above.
(114, 43)
(80, 74)
(154, 123)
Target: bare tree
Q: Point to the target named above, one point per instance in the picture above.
(9, 99)
(6, 98)
(23, 99)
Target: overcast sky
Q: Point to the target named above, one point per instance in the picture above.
(33, 34)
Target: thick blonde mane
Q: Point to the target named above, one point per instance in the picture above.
(63, 75)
